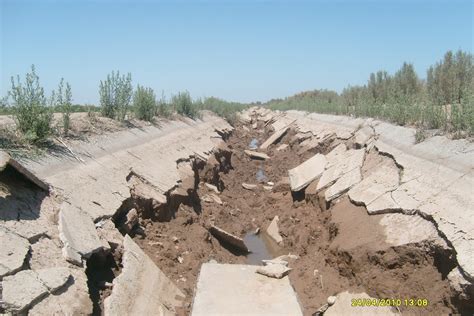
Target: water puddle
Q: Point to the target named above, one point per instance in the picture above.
(253, 144)
(261, 177)
(261, 247)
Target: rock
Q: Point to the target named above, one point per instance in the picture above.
(274, 137)
(53, 278)
(282, 147)
(249, 186)
(275, 261)
(22, 290)
(212, 198)
(142, 288)
(274, 232)
(131, 220)
(254, 125)
(78, 234)
(212, 187)
(287, 257)
(267, 187)
(245, 128)
(108, 232)
(216, 199)
(277, 271)
(73, 300)
(342, 306)
(228, 238)
(270, 183)
(343, 184)
(331, 300)
(241, 291)
(256, 155)
(308, 171)
(13, 251)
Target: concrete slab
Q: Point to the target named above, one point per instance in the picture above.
(142, 288)
(343, 306)
(308, 171)
(256, 155)
(13, 252)
(21, 291)
(274, 137)
(73, 300)
(274, 232)
(241, 291)
(78, 234)
(228, 238)
(343, 184)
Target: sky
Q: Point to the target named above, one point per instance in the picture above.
(237, 50)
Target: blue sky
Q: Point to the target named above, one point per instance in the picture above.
(236, 50)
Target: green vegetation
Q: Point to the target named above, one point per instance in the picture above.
(444, 101)
(144, 103)
(62, 101)
(31, 112)
(227, 110)
(115, 95)
(184, 105)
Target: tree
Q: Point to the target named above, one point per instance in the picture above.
(184, 104)
(31, 112)
(115, 95)
(144, 103)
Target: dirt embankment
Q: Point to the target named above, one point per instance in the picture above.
(340, 247)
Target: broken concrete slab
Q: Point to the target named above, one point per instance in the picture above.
(274, 232)
(131, 220)
(274, 137)
(274, 270)
(340, 163)
(212, 187)
(343, 306)
(282, 147)
(140, 189)
(73, 300)
(212, 198)
(107, 231)
(13, 252)
(249, 186)
(241, 291)
(228, 238)
(142, 288)
(78, 234)
(53, 278)
(256, 155)
(304, 174)
(22, 290)
(26, 229)
(381, 181)
(6, 160)
(343, 184)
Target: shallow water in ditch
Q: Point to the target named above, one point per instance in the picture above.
(253, 143)
(261, 247)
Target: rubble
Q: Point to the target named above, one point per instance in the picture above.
(274, 270)
(256, 155)
(131, 220)
(274, 137)
(212, 188)
(228, 238)
(308, 171)
(141, 288)
(13, 252)
(274, 232)
(78, 234)
(249, 186)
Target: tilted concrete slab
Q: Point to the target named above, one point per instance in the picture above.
(274, 137)
(13, 252)
(228, 238)
(304, 174)
(343, 184)
(227, 289)
(142, 288)
(78, 234)
(340, 162)
(343, 306)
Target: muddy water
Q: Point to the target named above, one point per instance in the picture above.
(253, 143)
(261, 247)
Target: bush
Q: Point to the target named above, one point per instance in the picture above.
(144, 103)
(62, 103)
(115, 95)
(31, 112)
(227, 110)
(164, 109)
(183, 104)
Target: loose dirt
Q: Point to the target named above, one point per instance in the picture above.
(339, 249)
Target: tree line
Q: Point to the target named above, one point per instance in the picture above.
(444, 100)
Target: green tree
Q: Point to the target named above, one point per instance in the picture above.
(31, 111)
(183, 104)
(144, 103)
(115, 95)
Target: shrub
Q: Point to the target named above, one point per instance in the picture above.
(62, 102)
(31, 112)
(183, 104)
(115, 95)
(144, 103)
(164, 109)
